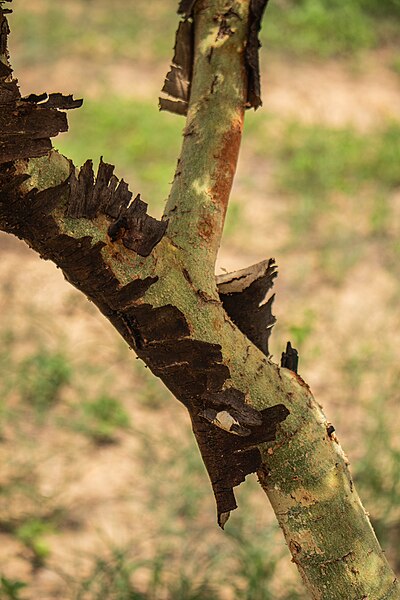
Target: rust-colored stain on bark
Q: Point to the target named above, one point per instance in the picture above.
(224, 170)
(206, 226)
(226, 160)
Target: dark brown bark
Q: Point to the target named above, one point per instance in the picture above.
(192, 369)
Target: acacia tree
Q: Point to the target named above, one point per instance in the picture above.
(206, 338)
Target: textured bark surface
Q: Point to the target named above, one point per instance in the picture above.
(161, 295)
(227, 429)
(178, 80)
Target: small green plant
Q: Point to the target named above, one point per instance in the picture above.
(31, 533)
(301, 332)
(110, 578)
(10, 588)
(101, 418)
(41, 378)
(114, 578)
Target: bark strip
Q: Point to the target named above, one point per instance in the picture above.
(178, 80)
(257, 8)
(244, 297)
(26, 124)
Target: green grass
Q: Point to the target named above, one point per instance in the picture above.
(113, 577)
(42, 377)
(330, 28)
(10, 589)
(189, 573)
(317, 160)
(32, 534)
(340, 187)
(143, 32)
(388, 9)
(138, 31)
(101, 419)
(313, 28)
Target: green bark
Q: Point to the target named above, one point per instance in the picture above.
(304, 471)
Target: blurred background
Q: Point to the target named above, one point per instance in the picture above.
(102, 491)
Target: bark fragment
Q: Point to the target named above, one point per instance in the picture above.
(103, 194)
(192, 369)
(186, 7)
(26, 124)
(229, 458)
(257, 8)
(138, 231)
(55, 100)
(233, 401)
(178, 79)
(290, 358)
(177, 107)
(243, 294)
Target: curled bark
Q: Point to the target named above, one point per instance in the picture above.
(244, 296)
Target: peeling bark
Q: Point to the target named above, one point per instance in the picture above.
(26, 124)
(229, 458)
(193, 370)
(178, 80)
(186, 7)
(137, 230)
(243, 294)
(257, 8)
(290, 358)
(55, 100)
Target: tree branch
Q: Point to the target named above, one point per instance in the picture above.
(247, 413)
(199, 196)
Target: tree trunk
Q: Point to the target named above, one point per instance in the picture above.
(154, 280)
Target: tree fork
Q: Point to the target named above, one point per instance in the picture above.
(154, 280)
